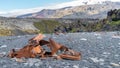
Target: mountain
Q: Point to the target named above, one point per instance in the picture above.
(98, 10)
(45, 13)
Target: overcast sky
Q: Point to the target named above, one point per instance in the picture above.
(18, 7)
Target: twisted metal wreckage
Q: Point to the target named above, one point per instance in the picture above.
(34, 49)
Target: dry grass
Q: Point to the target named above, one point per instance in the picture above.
(5, 32)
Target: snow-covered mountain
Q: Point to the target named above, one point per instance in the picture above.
(91, 10)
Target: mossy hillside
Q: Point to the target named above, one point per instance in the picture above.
(115, 22)
(46, 26)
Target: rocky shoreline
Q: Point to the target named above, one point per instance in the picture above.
(99, 50)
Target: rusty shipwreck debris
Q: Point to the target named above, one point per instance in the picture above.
(34, 49)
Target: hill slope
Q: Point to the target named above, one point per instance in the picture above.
(9, 26)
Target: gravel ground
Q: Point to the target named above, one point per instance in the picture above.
(99, 50)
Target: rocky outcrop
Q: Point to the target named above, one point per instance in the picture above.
(113, 15)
